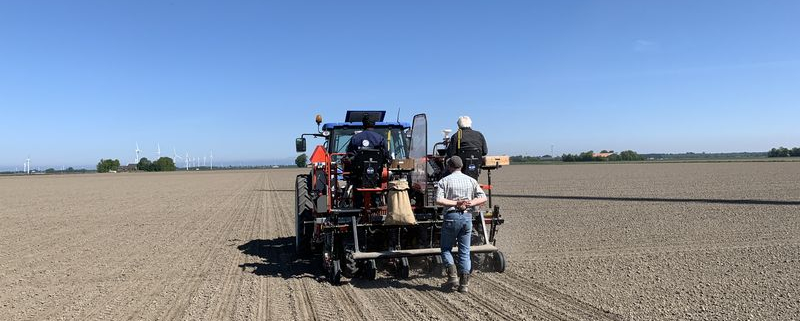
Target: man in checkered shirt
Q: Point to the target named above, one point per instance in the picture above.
(459, 193)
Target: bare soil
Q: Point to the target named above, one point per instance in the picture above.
(583, 242)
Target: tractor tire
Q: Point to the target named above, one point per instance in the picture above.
(303, 207)
(499, 261)
(403, 268)
(335, 273)
(369, 270)
(350, 265)
(435, 266)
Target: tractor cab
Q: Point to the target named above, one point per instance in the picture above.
(338, 135)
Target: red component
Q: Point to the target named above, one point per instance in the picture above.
(319, 155)
(484, 186)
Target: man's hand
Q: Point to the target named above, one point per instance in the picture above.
(462, 205)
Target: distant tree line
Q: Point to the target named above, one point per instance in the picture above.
(588, 156)
(702, 155)
(163, 164)
(529, 159)
(68, 170)
(784, 152)
(106, 165)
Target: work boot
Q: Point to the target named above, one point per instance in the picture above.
(463, 282)
(452, 278)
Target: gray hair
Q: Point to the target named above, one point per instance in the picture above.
(464, 122)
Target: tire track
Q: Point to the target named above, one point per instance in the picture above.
(223, 286)
(188, 290)
(230, 288)
(187, 239)
(451, 300)
(523, 288)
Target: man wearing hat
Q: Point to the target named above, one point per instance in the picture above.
(459, 194)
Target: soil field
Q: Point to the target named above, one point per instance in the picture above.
(583, 242)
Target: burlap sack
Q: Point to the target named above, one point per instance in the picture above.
(399, 205)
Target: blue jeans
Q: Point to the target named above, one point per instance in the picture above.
(457, 228)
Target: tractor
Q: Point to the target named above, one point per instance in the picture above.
(341, 203)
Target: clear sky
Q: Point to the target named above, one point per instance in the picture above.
(84, 80)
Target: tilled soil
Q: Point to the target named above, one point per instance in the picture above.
(583, 242)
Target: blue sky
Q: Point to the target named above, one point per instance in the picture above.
(84, 80)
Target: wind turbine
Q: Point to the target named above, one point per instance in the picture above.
(175, 155)
(159, 150)
(28, 165)
(186, 159)
(212, 160)
(137, 153)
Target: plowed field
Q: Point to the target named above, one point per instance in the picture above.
(583, 242)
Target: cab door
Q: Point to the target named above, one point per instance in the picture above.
(418, 151)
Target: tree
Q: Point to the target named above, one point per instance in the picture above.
(50, 170)
(106, 165)
(630, 155)
(586, 156)
(144, 164)
(779, 152)
(163, 164)
(301, 160)
(795, 152)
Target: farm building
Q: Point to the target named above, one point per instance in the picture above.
(602, 155)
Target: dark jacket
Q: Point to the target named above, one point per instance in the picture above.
(470, 139)
(368, 139)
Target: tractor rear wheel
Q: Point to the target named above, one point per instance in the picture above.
(303, 207)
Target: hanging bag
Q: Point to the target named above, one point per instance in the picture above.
(399, 206)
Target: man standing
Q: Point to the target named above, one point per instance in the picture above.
(459, 193)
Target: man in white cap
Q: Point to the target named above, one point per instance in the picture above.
(459, 194)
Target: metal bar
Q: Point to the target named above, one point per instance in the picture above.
(489, 178)
(354, 226)
(418, 252)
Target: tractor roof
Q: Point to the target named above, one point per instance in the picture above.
(329, 126)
